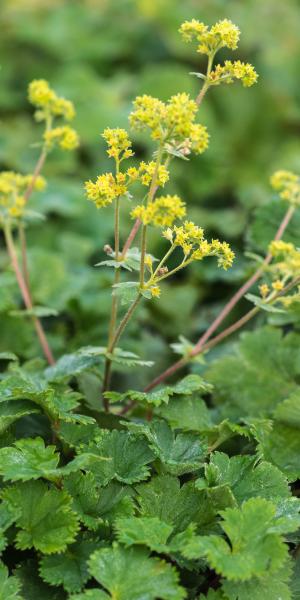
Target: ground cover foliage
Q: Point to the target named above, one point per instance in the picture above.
(119, 480)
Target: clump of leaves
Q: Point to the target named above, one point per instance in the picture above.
(185, 491)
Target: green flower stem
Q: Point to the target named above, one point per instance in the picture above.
(206, 84)
(162, 262)
(26, 293)
(123, 324)
(143, 254)
(114, 303)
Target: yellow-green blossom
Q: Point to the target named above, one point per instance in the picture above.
(172, 123)
(162, 212)
(223, 34)
(147, 171)
(106, 189)
(12, 189)
(48, 102)
(288, 186)
(287, 259)
(191, 239)
(119, 144)
(155, 291)
(66, 137)
(230, 71)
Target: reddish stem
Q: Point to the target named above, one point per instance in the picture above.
(26, 295)
(199, 346)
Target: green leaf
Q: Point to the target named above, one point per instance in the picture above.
(31, 459)
(129, 457)
(91, 595)
(281, 444)
(179, 453)
(269, 587)
(148, 531)
(262, 372)
(9, 586)
(213, 595)
(126, 291)
(262, 304)
(37, 311)
(68, 569)
(179, 506)
(130, 573)
(95, 505)
(37, 504)
(189, 413)
(265, 224)
(32, 587)
(128, 359)
(188, 385)
(77, 434)
(241, 478)
(70, 365)
(254, 549)
(13, 410)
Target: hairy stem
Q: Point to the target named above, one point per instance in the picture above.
(114, 304)
(123, 324)
(26, 294)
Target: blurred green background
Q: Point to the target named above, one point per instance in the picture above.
(101, 54)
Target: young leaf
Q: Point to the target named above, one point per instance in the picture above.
(130, 573)
(129, 457)
(281, 444)
(37, 504)
(148, 531)
(93, 594)
(179, 506)
(95, 505)
(31, 459)
(68, 569)
(70, 365)
(9, 586)
(179, 454)
(272, 586)
(12, 410)
(253, 549)
(241, 479)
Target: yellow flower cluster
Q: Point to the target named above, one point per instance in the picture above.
(171, 122)
(65, 136)
(145, 174)
(12, 189)
(288, 186)
(230, 71)
(191, 239)
(106, 189)
(162, 212)
(119, 144)
(47, 102)
(287, 257)
(222, 34)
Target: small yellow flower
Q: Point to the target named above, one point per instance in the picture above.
(288, 186)
(119, 144)
(64, 136)
(106, 189)
(155, 291)
(147, 172)
(162, 212)
(48, 102)
(222, 34)
(264, 290)
(226, 73)
(277, 285)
